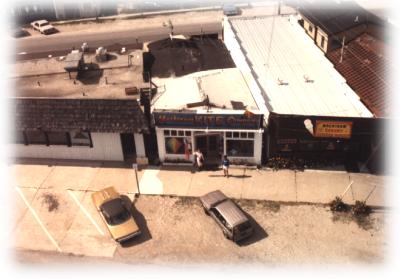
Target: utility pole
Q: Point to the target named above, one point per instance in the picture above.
(341, 51)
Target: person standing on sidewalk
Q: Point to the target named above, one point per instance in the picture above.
(199, 159)
(225, 166)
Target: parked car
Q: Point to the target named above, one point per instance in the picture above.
(230, 10)
(116, 214)
(234, 223)
(43, 26)
(19, 32)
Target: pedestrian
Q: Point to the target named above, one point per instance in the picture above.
(225, 166)
(199, 159)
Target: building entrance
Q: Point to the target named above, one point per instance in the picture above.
(210, 145)
(128, 147)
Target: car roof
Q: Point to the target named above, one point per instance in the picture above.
(212, 198)
(113, 207)
(231, 213)
(40, 21)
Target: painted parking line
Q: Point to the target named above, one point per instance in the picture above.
(38, 219)
(85, 212)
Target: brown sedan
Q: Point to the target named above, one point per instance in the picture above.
(116, 214)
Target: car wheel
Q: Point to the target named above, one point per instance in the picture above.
(226, 235)
(206, 212)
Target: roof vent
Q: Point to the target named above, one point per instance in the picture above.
(238, 105)
(281, 82)
(307, 79)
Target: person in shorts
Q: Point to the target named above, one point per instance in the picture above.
(225, 166)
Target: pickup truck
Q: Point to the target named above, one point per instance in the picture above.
(43, 26)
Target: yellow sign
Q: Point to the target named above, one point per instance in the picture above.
(333, 129)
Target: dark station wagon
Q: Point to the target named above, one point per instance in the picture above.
(234, 223)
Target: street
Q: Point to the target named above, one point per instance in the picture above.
(36, 47)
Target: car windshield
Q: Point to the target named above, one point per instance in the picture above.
(115, 212)
(44, 24)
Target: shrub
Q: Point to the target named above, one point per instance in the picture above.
(337, 205)
(360, 208)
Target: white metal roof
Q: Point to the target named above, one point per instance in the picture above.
(283, 58)
(222, 86)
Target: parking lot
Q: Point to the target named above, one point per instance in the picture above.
(55, 211)
(55, 215)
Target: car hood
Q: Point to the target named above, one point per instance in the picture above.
(124, 229)
(104, 195)
(211, 199)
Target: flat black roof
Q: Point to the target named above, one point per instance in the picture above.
(333, 17)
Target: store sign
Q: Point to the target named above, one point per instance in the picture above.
(210, 121)
(333, 129)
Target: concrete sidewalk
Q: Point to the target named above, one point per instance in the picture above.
(310, 186)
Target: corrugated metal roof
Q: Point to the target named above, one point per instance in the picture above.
(365, 69)
(292, 71)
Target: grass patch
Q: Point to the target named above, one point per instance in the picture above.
(271, 206)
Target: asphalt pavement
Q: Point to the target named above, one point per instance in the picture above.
(42, 46)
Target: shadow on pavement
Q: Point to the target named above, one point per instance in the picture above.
(231, 176)
(72, 163)
(258, 234)
(141, 222)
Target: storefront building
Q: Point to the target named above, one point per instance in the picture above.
(216, 115)
(312, 112)
(318, 137)
(84, 129)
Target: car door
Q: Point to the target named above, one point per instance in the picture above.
(221, 221)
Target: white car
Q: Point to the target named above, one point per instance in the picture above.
(43, 26)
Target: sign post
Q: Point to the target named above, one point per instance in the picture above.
(135, 167)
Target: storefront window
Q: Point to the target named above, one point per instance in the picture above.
(309, 145)
(178, 142)
(36, 137)
(286, 145)
(58, 138)
(178, 145)
(18, 137)
(81, 139)
(240, 148)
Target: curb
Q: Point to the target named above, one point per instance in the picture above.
(287, 203)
